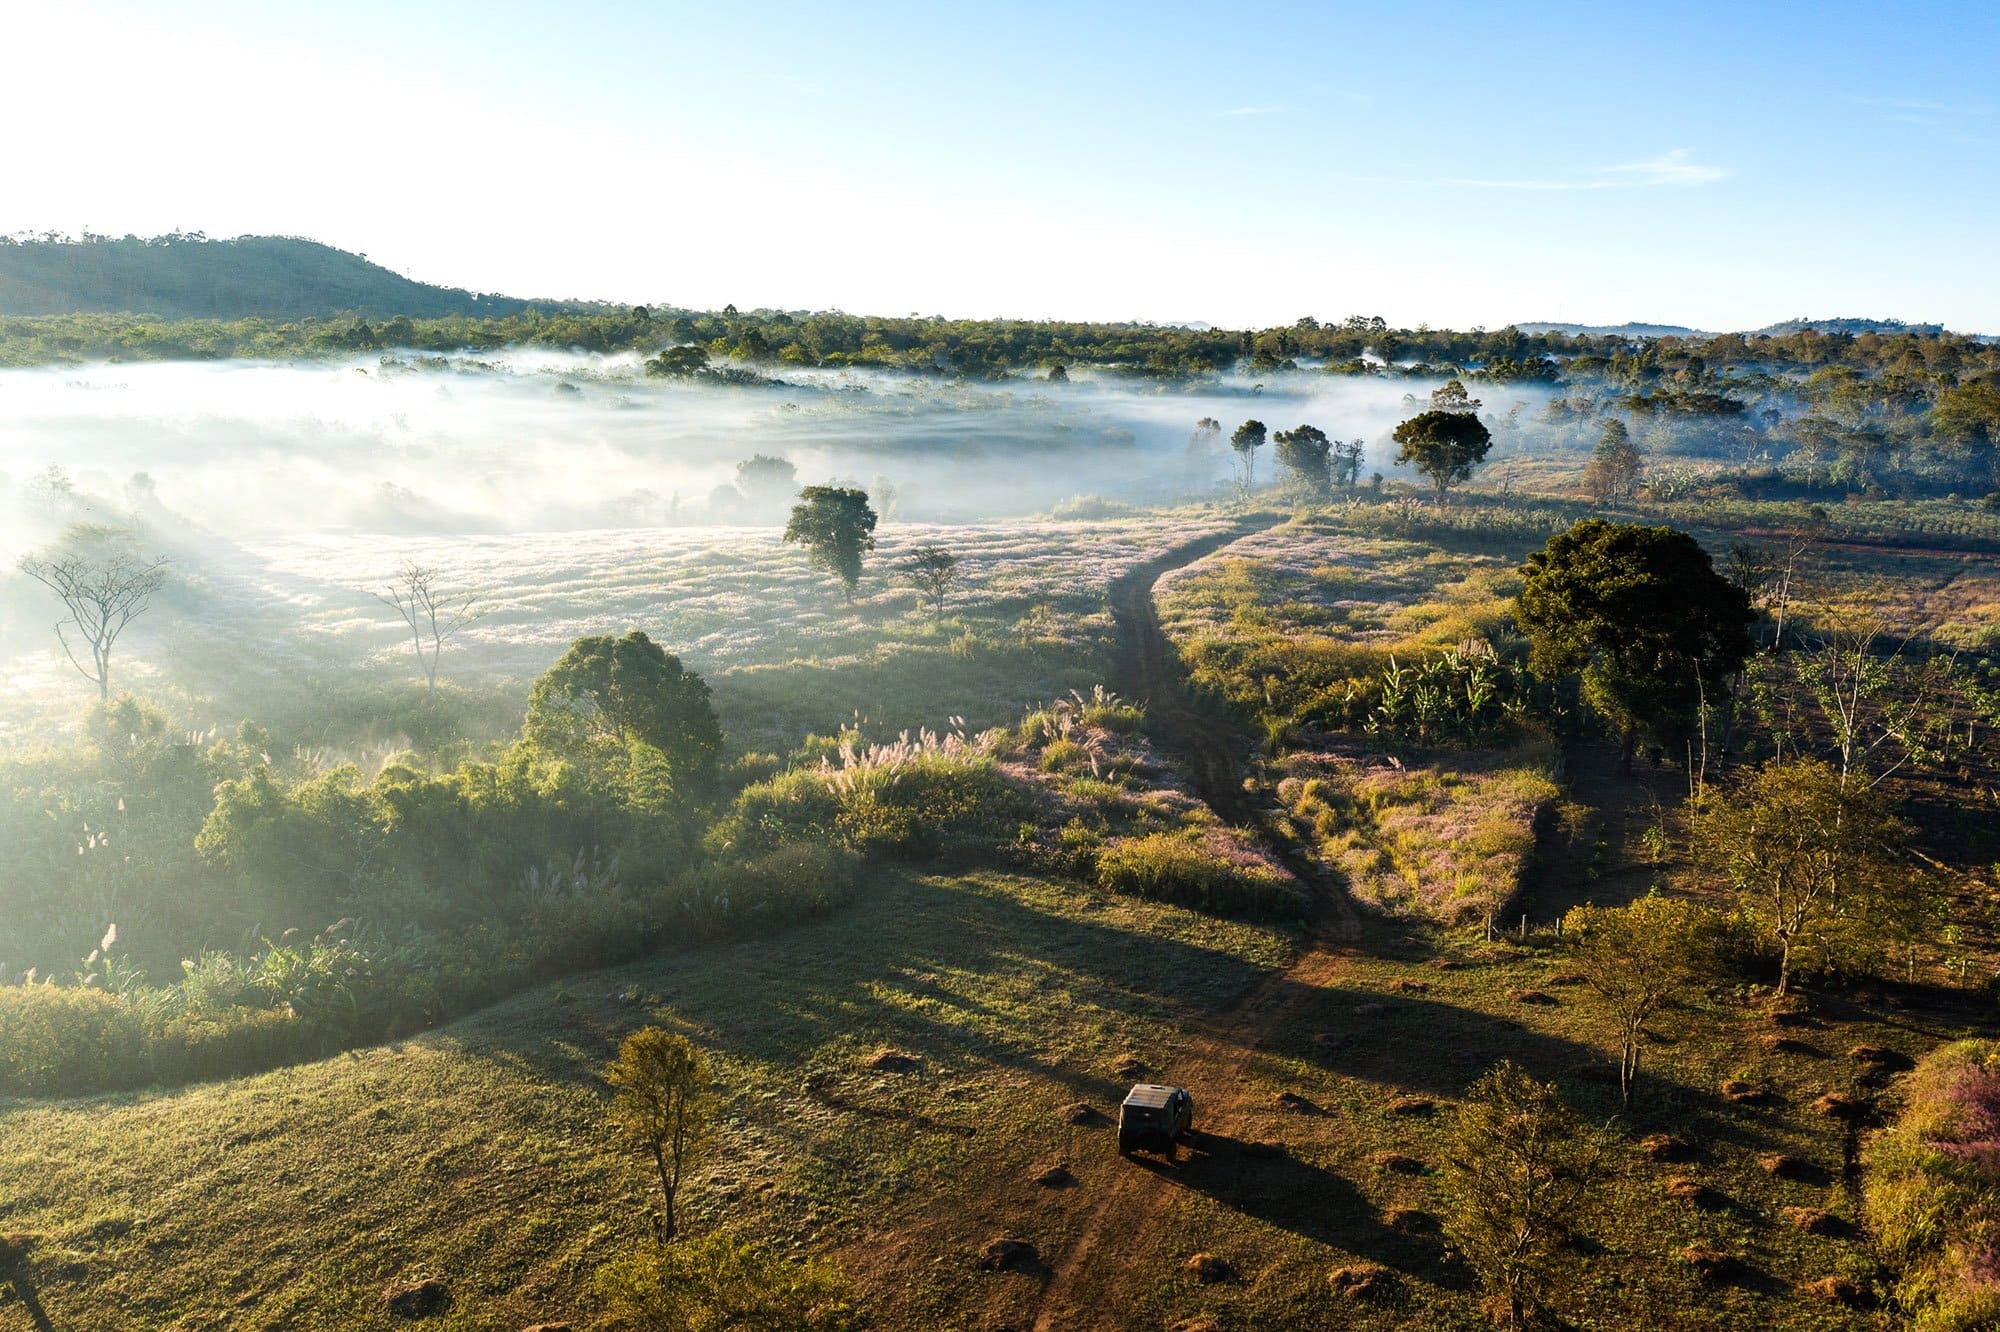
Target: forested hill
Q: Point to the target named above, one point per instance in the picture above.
(192, 277)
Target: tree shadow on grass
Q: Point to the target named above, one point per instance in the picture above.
(1408, 1043)
(900, 967)
(17, 1281)
(1268, 1183)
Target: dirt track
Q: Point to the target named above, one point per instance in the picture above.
(1094, 1283)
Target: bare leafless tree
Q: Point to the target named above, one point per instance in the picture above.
(432, 612)
(104, 589)
(1885, 703)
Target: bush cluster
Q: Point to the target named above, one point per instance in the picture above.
(925, 797)
(1201, 869)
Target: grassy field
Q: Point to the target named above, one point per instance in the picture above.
(479, 1155)
(899, 1077)
(287, 631)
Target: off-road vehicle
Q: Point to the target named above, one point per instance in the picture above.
(1154, 1118)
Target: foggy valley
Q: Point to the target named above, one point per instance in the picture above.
(565, 764)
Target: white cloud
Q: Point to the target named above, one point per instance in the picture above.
(1674, 168)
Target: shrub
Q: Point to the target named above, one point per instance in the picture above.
(1933, 1190)
(919, 796)
(66, 1039)
(75, 1040)
(1060, 754)
(787, 884)
(1207, 869)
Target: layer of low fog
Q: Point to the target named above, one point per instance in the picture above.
(535, 441)
(281, 492)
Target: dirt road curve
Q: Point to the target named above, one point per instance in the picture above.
(1095, 1283)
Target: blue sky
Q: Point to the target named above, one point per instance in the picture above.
(1722, 166)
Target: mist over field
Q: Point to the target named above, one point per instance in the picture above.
(532, 441)
(283, 492)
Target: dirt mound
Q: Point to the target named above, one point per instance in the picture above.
(1841, 1106)
(1712, 1264)
(1363, 1281)
(1815, 1221)
(1666, 1147)
(1055, 1177)
(1411, 1221)
(1538, 997)
(1294, 1104)
(1080, 1113)
(1791, 1045)
(1837, 1290)
(1396, 1163)
(417, 1299)
(890, 1060)
(1128, 1065)
(1880, 1056)
(1694, 1191)
(1738, 1092)
(1780, 1165)
(1002, 1253)
(1208, 1268)
(1412, 1105)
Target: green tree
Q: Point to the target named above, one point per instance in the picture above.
(1813, 858)
(1968, 415)
(1443, 445)
(661, 1105)
(1246, 439)
(933, 572)
(1615, 465)
(1452, 397)
(626, 707)
(678, 363)
(1518, 1173)
(1306, 454)
(1637, 959)
(1642, 615)
(836, 527)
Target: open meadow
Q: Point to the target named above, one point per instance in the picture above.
(1274, 790)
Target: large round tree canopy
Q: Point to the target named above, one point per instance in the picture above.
(626, 691)
(1443, 445)
(1641, 613)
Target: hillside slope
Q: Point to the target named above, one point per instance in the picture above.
(190, 277)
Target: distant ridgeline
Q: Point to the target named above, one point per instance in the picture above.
(192, 277)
